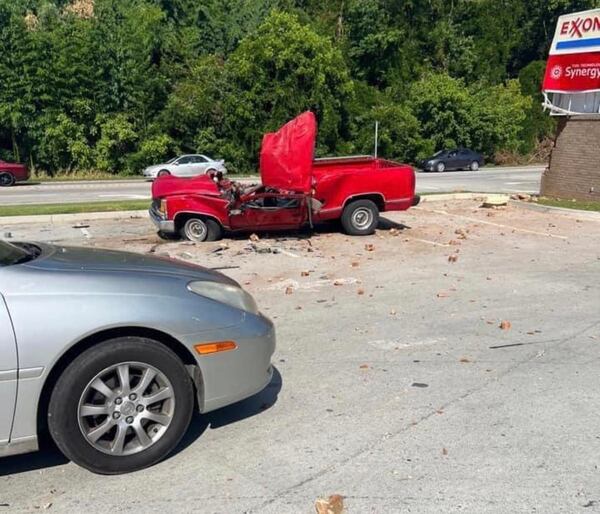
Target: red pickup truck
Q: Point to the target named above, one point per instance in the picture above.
(11, 172)
(296, 190)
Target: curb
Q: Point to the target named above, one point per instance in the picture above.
(84, 216)
(454, 196)
(573, 213)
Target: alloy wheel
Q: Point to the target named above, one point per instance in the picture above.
(126, 408)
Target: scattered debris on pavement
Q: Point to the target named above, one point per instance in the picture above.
(332, 505)
(494, 201)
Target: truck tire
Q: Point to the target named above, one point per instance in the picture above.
(360, 218)
(201, 229)
(122, 405)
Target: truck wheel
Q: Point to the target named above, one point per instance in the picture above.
(360, 218)
(201, 229)
(6, 179)
(121, 405)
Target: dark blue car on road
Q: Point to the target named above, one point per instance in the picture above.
(452, 160)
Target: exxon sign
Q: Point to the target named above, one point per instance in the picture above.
(572, 80)
(577, 33)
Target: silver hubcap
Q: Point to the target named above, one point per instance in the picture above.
(196, 230)
(362, 218)
(441, 167)
(126, 408)
(475, 166)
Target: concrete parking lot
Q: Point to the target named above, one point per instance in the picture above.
(449, 363)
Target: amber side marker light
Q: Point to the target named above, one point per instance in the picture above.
(219, 346)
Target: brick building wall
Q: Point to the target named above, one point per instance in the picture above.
(574, 170)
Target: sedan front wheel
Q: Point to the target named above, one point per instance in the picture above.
(121, 406)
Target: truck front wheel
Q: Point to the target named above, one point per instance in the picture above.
(360, 218)
(201, 229)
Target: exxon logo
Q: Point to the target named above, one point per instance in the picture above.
(580, 26)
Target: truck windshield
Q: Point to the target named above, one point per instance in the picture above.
(11, 254)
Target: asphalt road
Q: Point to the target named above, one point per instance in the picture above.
(487, 180)
(395, 385)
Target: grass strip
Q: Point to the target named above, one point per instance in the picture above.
(580, 205)
(73, 208)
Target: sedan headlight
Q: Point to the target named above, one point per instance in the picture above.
(225, 293)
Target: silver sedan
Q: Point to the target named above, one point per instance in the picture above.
(110, 351)
(186, 166)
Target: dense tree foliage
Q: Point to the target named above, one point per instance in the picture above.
(114, 85)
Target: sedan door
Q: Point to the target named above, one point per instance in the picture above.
(183, 167)
(200, 164)
(464, 159)
(452, 161)
(8, 373)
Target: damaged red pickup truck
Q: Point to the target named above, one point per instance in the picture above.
(297, 190)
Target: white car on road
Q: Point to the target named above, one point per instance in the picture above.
(188, 165)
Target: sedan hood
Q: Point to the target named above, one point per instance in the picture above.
(65, 258)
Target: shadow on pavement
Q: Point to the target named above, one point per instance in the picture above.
(244, 409)
(49, 456)
(25, 184)
(386, 224)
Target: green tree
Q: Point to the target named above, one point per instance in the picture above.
(444, 108)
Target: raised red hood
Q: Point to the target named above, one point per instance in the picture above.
(165, 186)
(286, 156)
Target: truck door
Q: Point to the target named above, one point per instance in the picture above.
(8, 373)
(271, 211)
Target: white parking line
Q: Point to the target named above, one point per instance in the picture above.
(434, 243)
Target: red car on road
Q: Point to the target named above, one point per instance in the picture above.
(296, 190)
(11, 172)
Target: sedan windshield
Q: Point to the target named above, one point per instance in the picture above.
(11, 254)
(171, 161)
(437, 154)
